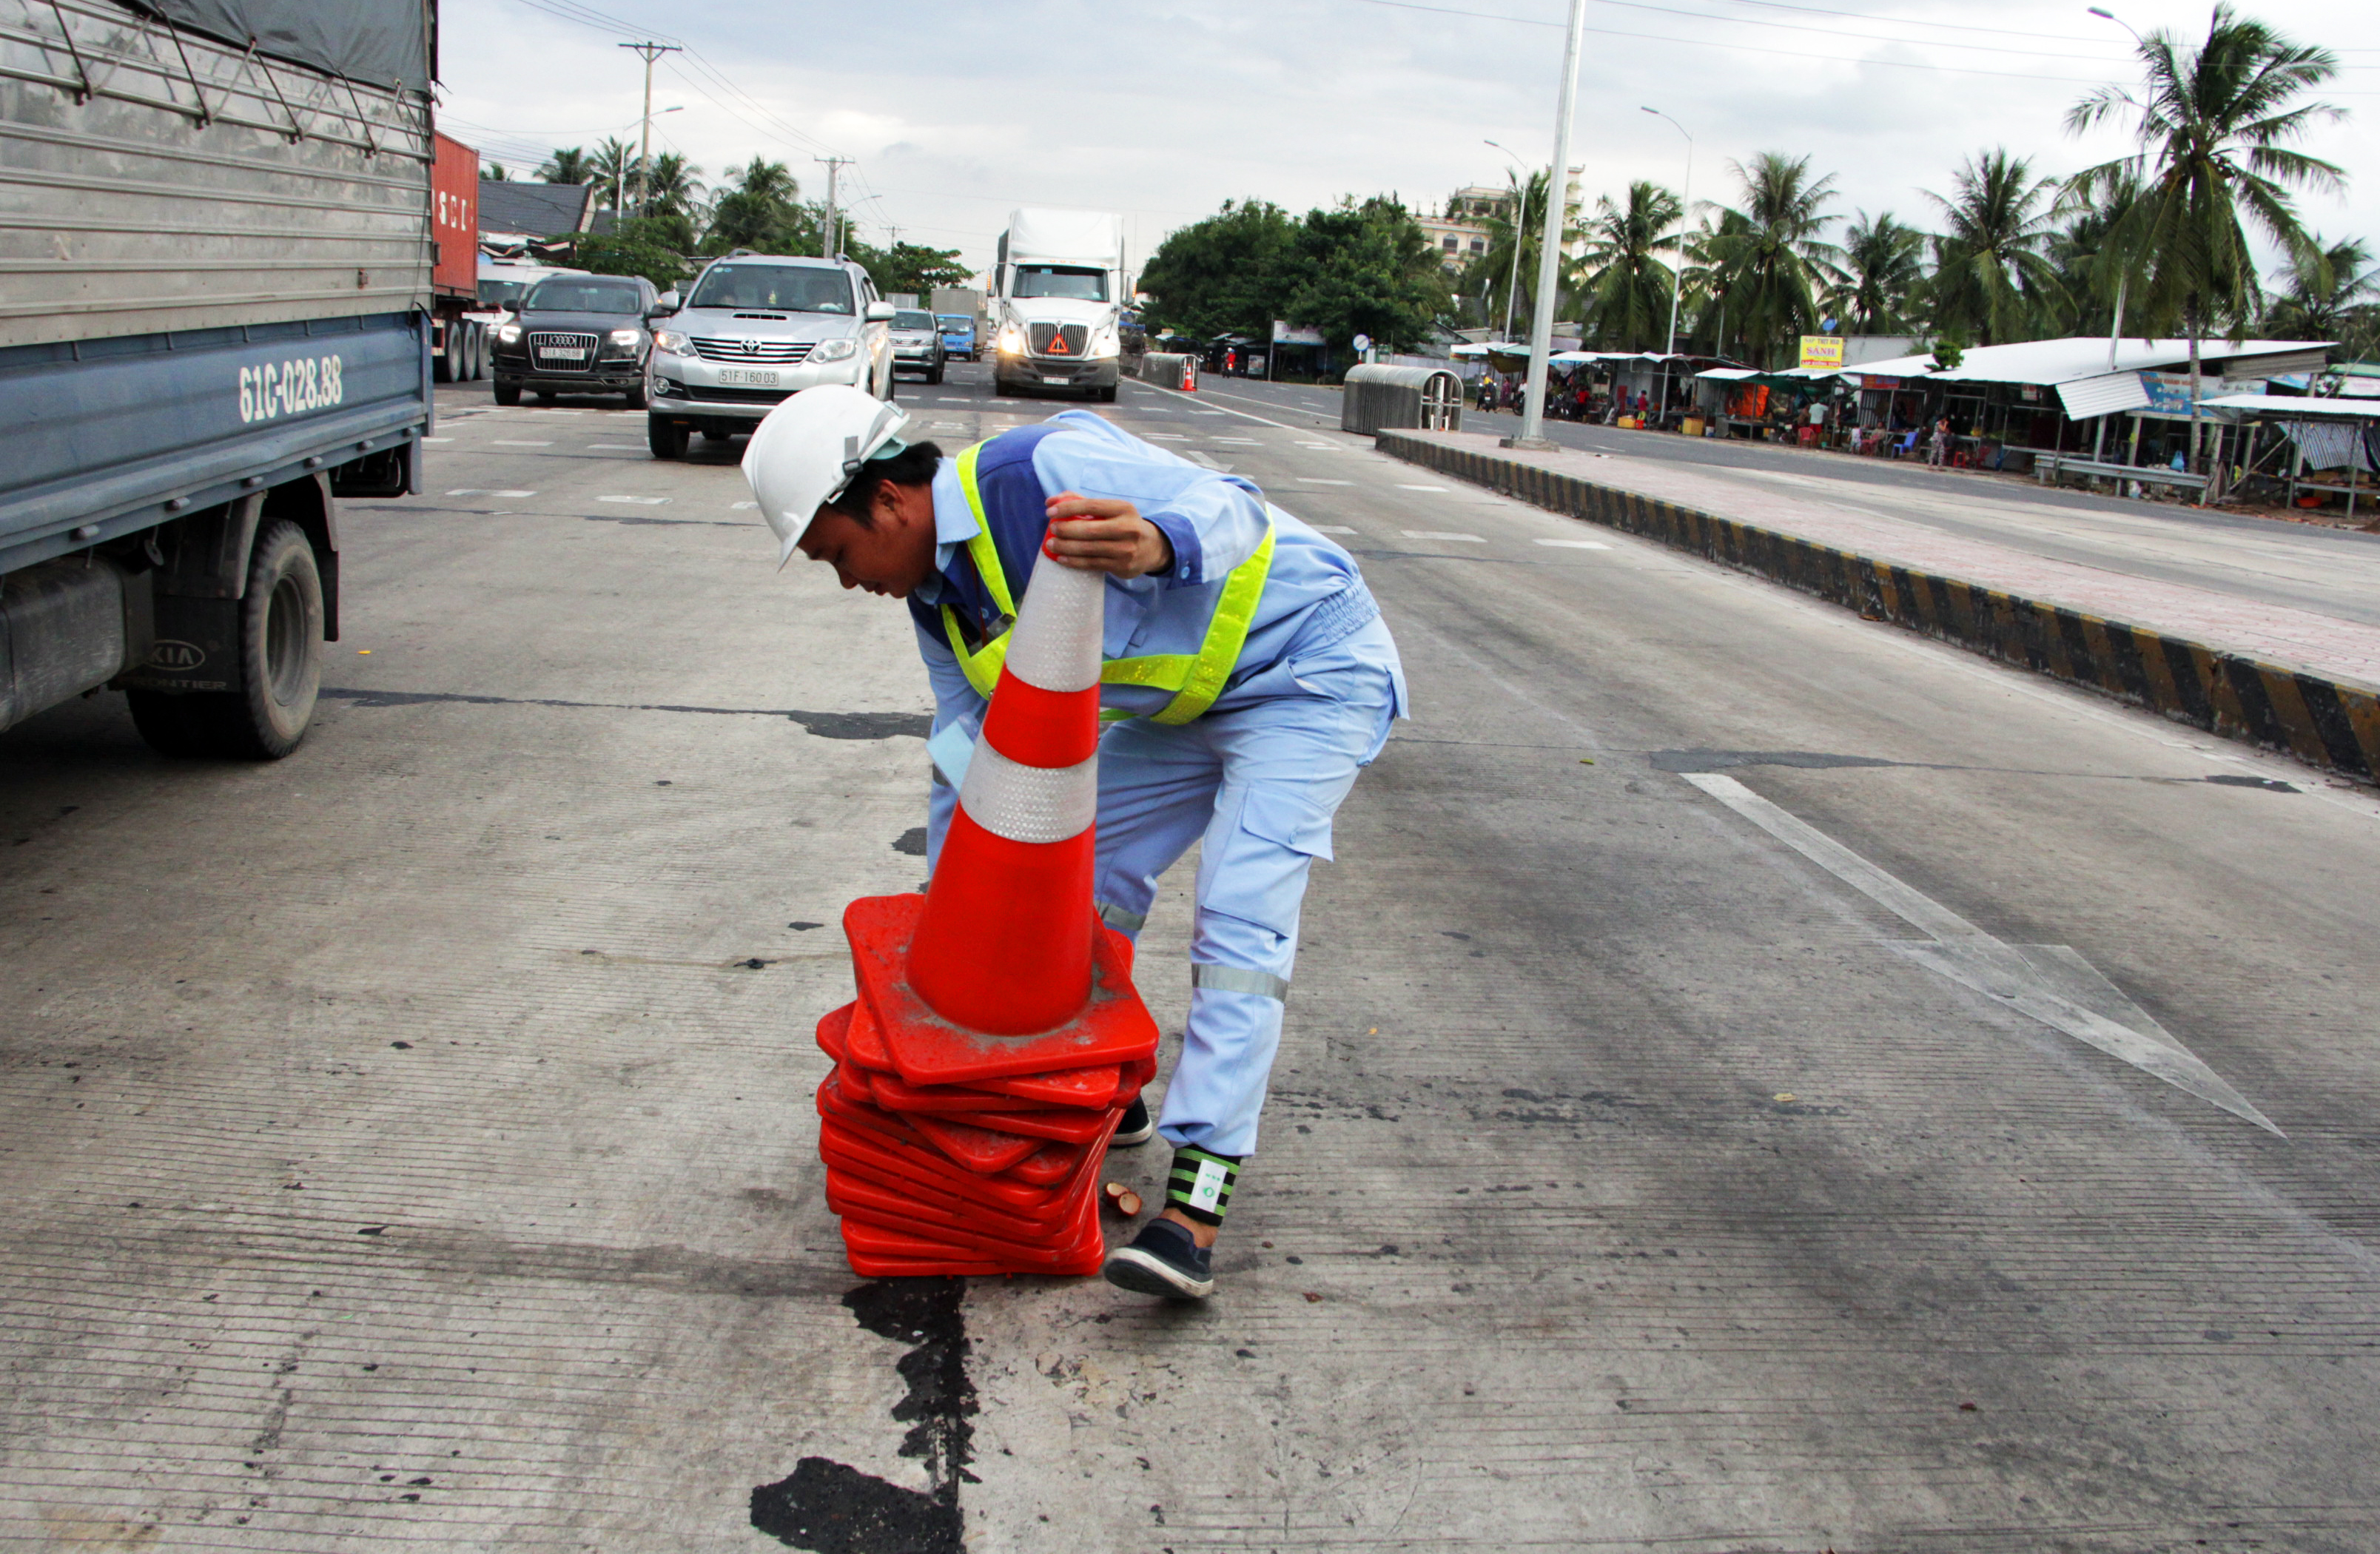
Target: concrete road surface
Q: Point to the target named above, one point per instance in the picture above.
(1757, 1081)
(2328, 571)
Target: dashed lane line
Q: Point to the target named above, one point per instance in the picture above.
(1318, 480)
(1440, 489)
(2050, 983)
(1333, 528)
(616, 448)
(475, 491)
(1442, 534)
(638, 501)
(1577, 544)
(519, 443)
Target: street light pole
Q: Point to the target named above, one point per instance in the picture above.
(1541, 327)
(1678, 271)
(645, 141)
(1512, 286)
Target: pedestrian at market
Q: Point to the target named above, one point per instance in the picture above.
(1938, 453)
(1247, 661)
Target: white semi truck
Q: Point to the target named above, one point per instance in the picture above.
(1058, 293)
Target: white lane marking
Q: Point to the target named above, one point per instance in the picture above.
(616, 448)
(639, 501)
(1250, 441)
(1318, 480)
(2045, 981)
(741, 506)
(1577, 544)
(475, 491)
(1167, 436)
(1333, 528)
(519, 443)
(953, 400)
(1403, 487)
(1210, 460)
(1439, 534)
(438, 439)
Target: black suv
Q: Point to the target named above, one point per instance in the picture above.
(577, 334)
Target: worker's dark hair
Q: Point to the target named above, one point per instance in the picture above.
(912, 466)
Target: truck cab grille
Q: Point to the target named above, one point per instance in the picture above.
(1052, 339)
(558, 352)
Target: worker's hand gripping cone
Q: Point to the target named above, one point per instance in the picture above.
(1004, 946)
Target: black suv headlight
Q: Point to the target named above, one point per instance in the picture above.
(622, 343)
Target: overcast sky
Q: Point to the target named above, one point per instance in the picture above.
(955, 113)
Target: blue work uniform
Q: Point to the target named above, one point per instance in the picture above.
(1257, 778)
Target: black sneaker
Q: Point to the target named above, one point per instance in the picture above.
(1135, 1127)
(1162, 1260)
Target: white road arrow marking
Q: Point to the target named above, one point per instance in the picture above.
(2049, 982)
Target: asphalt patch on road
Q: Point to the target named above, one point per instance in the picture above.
(831, 1507)
(912, 842)
(826, 725)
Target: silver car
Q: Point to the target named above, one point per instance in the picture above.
(918, 343)
(753, 329)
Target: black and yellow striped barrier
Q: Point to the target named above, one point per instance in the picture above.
(2326, 722)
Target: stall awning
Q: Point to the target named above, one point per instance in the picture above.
(2296, 406)
(2109, 394)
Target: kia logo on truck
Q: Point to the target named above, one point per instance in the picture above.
(176, 657)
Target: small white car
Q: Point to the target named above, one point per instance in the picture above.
(753, 330)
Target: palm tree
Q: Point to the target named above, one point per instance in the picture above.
(1772, 264)
(566, 165)
(614, 163)
(758, 209)
(2213, 123)
(1504, 291)
(2094, 292)
(1626, 287)
(1702, 284)
(1993, 275)
(1882, 270)
(2327, 294)
(673, 188)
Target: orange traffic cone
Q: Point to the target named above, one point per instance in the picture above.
(997, 1037)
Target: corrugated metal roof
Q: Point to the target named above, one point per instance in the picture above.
(2296, 407)
(2107, 394)
(2064, 362)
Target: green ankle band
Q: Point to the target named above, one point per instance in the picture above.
(1200, 1185)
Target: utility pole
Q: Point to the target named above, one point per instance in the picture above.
(834, 166)
(1550, 256)
(1678, 272)
(651, 51)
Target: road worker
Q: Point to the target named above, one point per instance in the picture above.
(1247, 672)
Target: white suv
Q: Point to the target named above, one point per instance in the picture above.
(755, 328)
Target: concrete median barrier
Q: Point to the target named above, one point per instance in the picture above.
(2323, 720)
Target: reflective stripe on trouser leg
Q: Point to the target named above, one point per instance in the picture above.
(1124, 922)
(1237, 980)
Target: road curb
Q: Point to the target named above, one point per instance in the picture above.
(2330, 723)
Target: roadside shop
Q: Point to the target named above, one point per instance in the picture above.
(2307, 450)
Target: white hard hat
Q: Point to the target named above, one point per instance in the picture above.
(807, 450)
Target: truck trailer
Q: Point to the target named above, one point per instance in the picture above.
(1058, 295)
(219, 319)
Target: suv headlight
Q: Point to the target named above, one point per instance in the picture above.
(674, 340)
(835, 350)
(626, 338)
(509, 334)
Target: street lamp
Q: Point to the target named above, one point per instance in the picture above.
(2123, 275)
(1513, 287)
(1541, 323)
(1678, 274)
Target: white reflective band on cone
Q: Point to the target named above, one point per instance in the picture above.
(1055, 645)
(1029, 804)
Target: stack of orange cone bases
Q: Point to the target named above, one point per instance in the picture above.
(996, 1036)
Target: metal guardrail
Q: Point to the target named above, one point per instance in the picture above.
(2052, 468)
(1169, 370)
(1383, 399)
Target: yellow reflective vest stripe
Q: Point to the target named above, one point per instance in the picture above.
(1195, 679)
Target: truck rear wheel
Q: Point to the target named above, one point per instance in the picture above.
(280, 667)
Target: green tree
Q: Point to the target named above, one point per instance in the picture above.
(1366, 268)
(613, 163)
(1508, 296)
(566, 165)
(761, 209)
(1626, 287)
(1882, 269)
(1770, 266)
(639, 246)
(2213, 125)
(2328, 292)
(2094, 269)
(909, 267)
(1227, 274)
(1994, 278)
(673, 188)
(496, 172)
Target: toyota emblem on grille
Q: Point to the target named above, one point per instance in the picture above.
(751, 348)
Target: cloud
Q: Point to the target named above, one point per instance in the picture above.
(1161, 110)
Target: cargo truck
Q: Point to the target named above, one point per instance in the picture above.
(459, 320)
(1058, 295)
(219, 318)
